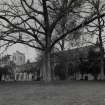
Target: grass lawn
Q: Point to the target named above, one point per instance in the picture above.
(59, 93)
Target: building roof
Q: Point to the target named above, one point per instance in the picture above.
(20, 53)
(73, 54)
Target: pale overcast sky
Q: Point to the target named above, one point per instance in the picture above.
(30, 53)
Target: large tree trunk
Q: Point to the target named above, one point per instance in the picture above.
(52, 61)
(46, 67)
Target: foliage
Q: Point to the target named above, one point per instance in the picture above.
(98, 7)
(6, 70)
(94, 60)
(60, 71)
(92, 65)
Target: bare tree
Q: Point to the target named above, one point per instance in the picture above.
(33, 23)
(97, 28)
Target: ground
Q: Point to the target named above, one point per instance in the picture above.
(57, 93)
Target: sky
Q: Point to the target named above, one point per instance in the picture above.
(30, 53)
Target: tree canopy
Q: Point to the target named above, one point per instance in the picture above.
(33, 22)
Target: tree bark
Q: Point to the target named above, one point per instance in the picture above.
(46, 67)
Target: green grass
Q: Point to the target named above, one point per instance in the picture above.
(58, 93)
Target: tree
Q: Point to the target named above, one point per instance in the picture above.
(97, 27)
(33, 23)
(94, 65)
(6, 70)
(60, 71)
(83, 67)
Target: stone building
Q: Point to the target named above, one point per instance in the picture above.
(13, 62)
(7, 67)
(5, 60)
(71, 60)
(18, 58)
(21, 70)
(26, 72)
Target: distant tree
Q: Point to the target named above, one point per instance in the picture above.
(94, 62)
(97, 28)
(95, 69)
(6, 70)
(28, 61)
(60, 71)
(1, 73)
(83, 68)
